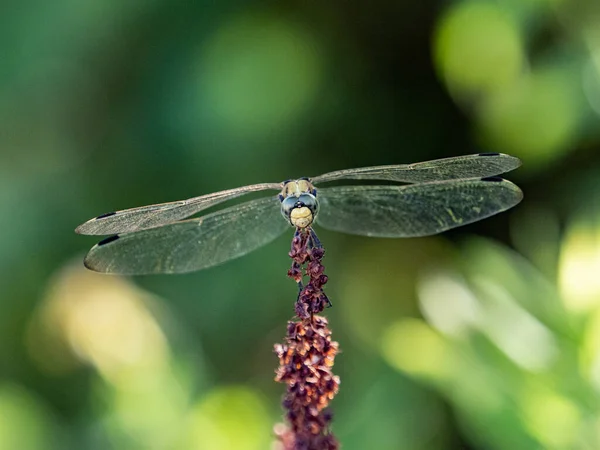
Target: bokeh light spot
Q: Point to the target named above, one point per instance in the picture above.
(102, 321)
(551, 418)
(229, 418)
(477, 48)
(535, 119)
(579, 266)
(25, 423)
(257, 74)
(448, 304)
(411, 346)
(509, 325)
(590, 351)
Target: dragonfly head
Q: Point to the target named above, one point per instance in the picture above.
(299, 203)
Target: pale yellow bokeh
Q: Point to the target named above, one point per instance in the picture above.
(448, 304)
(153, 416)
(550, 417)
(410, 345)
(24, 421)
(579, 266)
(106, 322)
(102, 321)
(233, 417)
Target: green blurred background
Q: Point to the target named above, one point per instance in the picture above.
(487, 337)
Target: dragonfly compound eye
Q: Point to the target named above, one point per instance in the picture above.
(300, 211)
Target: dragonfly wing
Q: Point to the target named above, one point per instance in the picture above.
(414, 210)
(460, 167)
(192, 244)
(145, 217)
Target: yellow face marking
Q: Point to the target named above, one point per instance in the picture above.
(301, 217)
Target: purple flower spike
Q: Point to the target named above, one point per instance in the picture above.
(306, 358)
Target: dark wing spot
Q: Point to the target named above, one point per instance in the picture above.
(108, 240)
(489, 154)
(102, 216)
(494, 179)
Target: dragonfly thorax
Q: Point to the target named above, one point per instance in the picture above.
(299, 203)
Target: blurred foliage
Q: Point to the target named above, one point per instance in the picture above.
(487, 337)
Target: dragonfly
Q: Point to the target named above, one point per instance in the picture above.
(420, 199)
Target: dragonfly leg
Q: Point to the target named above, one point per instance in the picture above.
(314, 240)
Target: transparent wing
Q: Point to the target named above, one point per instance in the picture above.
(192, 244)
(414, 210)
(145, 217)
(470, 166)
